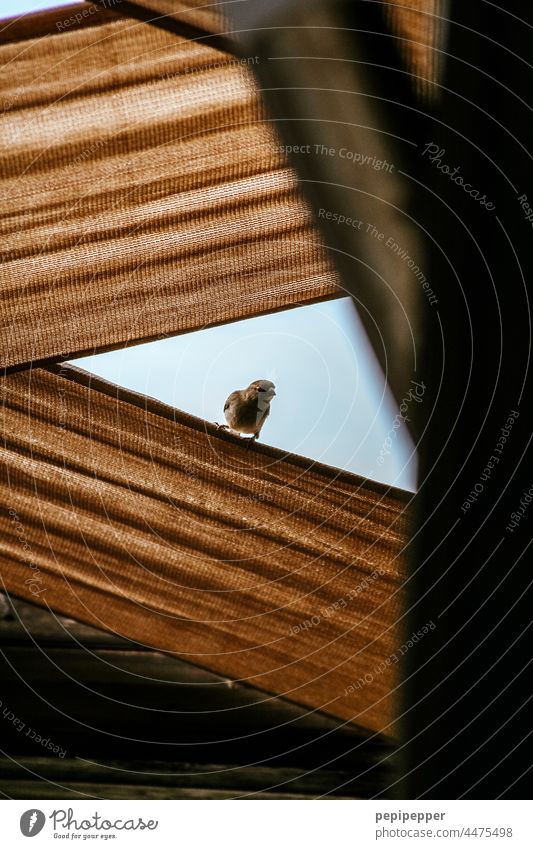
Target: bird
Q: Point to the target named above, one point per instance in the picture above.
(246, 410)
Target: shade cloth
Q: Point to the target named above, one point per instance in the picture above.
(265, 567)
(416, 24)
(143, 192)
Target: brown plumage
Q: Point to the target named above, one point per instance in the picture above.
(246, 410)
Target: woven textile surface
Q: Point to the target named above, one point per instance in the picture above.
(144, 193)
(415, 24)
(265, 567)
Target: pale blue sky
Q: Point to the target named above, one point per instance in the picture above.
(332, 403)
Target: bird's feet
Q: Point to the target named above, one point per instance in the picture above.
(221, 426)
(251, 440)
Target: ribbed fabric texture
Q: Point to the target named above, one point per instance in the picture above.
(268, 568)
(211, 17)
(417, 24)
(143, 192)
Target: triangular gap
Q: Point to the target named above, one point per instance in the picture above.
(333, 403)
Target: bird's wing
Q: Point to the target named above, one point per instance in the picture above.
(263, 419)
(230, 399)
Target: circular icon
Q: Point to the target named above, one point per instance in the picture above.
(32, 822)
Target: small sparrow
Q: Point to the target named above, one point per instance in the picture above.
(246, 410)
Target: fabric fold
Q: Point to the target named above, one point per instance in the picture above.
(268, 568)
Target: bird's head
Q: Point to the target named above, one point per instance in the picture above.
(265, 389)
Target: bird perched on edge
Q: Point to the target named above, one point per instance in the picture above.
(246, 410)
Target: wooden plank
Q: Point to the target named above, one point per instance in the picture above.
(163, 780)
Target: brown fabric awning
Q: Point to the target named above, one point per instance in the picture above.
(143, 191)
(209, 17)
(416, 25)
(265, 567)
